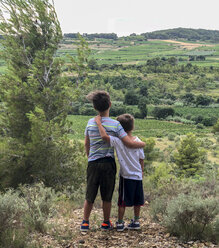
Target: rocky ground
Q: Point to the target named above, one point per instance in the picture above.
(64, 232)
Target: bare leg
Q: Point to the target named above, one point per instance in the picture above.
(106, 210)
(137, 211)
(121, 212)
(87, 209)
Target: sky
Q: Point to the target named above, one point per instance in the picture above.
(125, 17)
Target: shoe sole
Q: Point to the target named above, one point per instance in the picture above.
(106, 229)
(134, 228)
(120, 230)
(84, 230)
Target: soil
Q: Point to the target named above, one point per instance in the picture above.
(64, 232)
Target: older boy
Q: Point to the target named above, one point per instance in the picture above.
(101, 169)
(131, 170)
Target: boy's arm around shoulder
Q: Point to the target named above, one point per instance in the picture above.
(131, 143)
(102, 131)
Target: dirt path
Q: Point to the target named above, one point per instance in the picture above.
(65, 233)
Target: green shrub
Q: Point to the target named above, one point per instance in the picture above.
(209, 121)
(117, 110)
(171, 136)
(190, 157)
(185, 206)
(190, 217)
(216, 127)
(14, 238)
(161, 172)
(149, 150)
(12, 209)
(215, 234)
(197, 119)
(40, 202)
(158, 208)
(200, 126)
(162, 113)
(87, 109)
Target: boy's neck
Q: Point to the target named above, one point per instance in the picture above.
(105, 113)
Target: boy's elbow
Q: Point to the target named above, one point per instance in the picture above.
(106, 138)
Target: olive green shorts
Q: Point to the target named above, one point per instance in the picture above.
(101, 173)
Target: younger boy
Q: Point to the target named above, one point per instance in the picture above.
(101, 168)
(131, 170)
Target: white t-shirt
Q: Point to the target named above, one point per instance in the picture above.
(130, 166)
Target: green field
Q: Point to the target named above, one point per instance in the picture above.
(137, 52)
(143, 128)
(123, 51)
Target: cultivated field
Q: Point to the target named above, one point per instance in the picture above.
(144, 128)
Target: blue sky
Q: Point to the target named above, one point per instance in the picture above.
(135, 16)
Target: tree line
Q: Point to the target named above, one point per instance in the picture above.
(184, 33)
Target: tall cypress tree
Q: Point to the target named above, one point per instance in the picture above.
(35, 94)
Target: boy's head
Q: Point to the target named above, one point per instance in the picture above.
(100, 100)
(127, 122)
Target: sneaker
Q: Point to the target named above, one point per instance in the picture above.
(107, 225)
(120, 226)
(84, 226)
(135, 225)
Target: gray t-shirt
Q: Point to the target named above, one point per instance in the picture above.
(98, 147)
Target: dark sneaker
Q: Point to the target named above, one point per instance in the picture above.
(120, 226)
(106, 226)
(135, 225)
(84, 226)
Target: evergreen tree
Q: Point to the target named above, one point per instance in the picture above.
(190, 157)
(36, 97)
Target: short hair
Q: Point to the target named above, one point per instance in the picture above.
(127, 122)
(100, 100)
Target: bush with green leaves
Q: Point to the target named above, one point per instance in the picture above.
(209, 121)
(190, 157)
(171, 136)
(117, 109)
(24, 211)
(162, 113)
(216, 127)
(40, 205)
(197, 119)
(12, 210)
(188, 208)
(191, 217)
(87, 109)
(149, 150)
(160, 174)
(200, 126)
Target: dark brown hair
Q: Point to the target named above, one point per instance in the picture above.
(127, 122)
(100, 100)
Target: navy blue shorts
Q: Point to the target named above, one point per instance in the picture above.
(130, 192)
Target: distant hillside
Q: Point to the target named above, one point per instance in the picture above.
(184, 33)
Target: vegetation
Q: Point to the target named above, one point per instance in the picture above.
(170, 87)
(36, 99)
(185, 33)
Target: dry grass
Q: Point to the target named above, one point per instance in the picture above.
(188, 46)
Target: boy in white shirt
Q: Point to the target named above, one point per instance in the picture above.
(131, 170)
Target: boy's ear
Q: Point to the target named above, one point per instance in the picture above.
(110, 104)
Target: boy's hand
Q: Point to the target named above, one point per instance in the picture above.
(98, 119)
